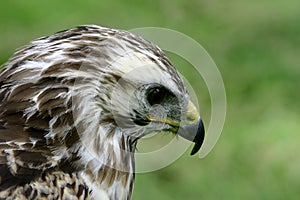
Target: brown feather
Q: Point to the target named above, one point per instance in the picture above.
(42, 156)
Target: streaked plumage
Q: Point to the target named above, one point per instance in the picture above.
(73, 106)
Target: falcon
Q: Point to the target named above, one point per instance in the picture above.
(73, 106)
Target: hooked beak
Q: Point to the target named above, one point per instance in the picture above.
(191, 129)
(193, 132)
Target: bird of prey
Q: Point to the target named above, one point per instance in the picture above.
(73, 106)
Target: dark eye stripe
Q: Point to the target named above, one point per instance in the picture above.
(139, 119)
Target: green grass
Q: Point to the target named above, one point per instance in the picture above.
(256, 46)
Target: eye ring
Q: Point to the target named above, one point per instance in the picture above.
(156, 95)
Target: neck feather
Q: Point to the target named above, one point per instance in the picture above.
(110, 168)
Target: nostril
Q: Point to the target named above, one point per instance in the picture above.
(190, 118)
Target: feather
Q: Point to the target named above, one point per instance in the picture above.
(59, 138)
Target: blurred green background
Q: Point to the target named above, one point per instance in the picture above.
(255, 44)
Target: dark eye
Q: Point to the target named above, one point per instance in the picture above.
(156, 95)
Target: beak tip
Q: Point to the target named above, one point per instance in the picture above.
(199, 138)
(195, 149)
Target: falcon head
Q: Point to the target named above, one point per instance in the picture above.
(135, 91)
(150, 96)
(79, 100)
